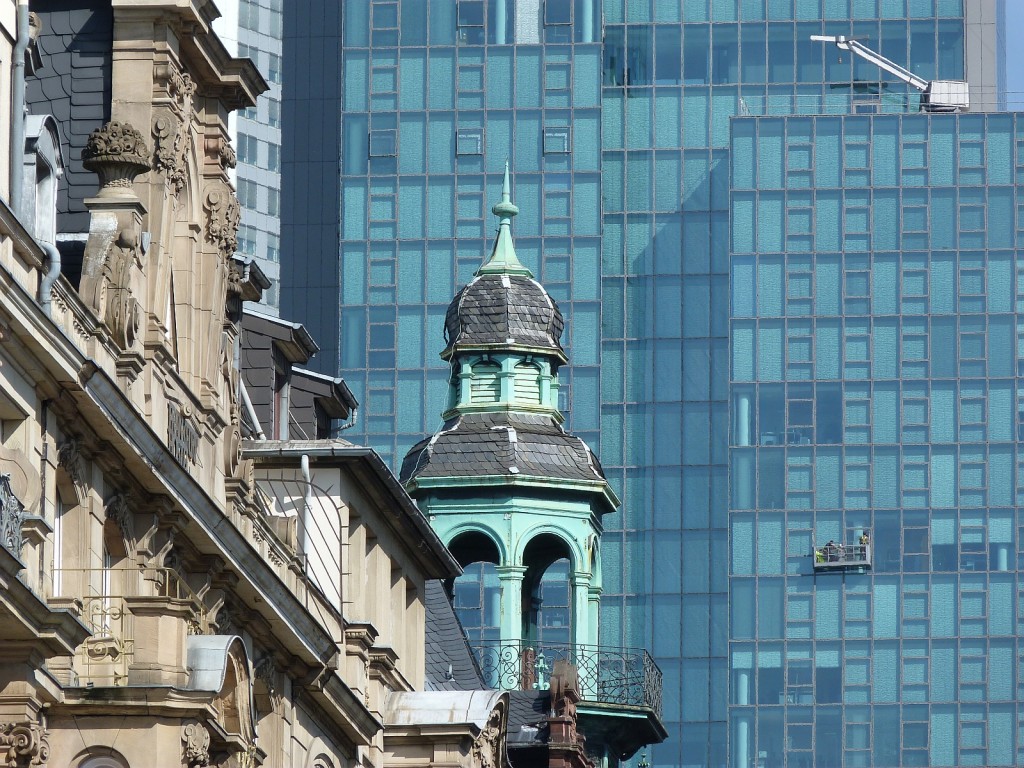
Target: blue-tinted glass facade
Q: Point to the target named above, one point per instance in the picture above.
(616, 119)
(877, 282)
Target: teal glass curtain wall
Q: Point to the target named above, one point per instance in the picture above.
(616, 118)
(877, 281)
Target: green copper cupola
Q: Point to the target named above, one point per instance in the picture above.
(502, 482)
(503, 332)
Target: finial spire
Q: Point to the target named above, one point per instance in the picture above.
(503, 256)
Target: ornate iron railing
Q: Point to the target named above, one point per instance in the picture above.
(12, 515)
(607, 675)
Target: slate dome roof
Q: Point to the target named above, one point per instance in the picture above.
(504, 443)
(506, 310)
(503, 305)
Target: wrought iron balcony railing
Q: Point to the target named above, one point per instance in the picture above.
(607, 675)
(12, 515)
(106, 595)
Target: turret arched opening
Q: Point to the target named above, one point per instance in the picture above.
(474, 546)
(477, 592)
(547, 590)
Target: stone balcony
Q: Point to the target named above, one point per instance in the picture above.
(140, 620)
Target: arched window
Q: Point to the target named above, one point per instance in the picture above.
(527, 383)
(103, 761)
(485, 387)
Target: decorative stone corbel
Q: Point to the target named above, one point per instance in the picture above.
(197, 744)
(171, 139)
(222, 218)
(487, 747)
(117, 510)
(71, 460)
(23, 745)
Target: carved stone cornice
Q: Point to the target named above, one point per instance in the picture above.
(117, 153)
(23, 745)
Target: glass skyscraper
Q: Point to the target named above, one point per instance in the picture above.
(877, 280)
(670, 177)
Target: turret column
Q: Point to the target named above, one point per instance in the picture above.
(511, 579)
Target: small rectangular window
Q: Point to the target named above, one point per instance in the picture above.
(469, 141)
(382, 207)
(471, 78)
(247, 240)
(383, 142)
(273, 248)
(274, 68)
(557, 12)
(556, 140)
(470, 21)
(383, 15)
(557, 76)
(383, 80)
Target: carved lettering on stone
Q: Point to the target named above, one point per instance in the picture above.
(182, 436)
(222, 218)
(23, 745)
(197, 744)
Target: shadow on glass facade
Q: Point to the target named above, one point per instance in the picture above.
(616, 119)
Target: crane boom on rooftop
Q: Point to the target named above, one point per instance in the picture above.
(938, 95)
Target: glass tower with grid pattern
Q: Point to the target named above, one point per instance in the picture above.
(621, 121)
(255, 29)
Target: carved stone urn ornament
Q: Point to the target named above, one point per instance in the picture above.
(118, 154)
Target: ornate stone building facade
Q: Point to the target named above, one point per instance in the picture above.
(178, 586)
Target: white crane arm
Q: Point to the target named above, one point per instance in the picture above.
(847, 44)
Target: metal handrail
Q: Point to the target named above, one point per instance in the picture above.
(607, 675)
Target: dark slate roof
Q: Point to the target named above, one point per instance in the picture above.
(528, 718)
(503, 443)
(503, 309)
(450, 663)
(75, 44)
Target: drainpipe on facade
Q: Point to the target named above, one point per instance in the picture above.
(18, 109)
(352, 419)
(52, 273)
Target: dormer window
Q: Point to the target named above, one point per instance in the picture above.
(43, 167)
